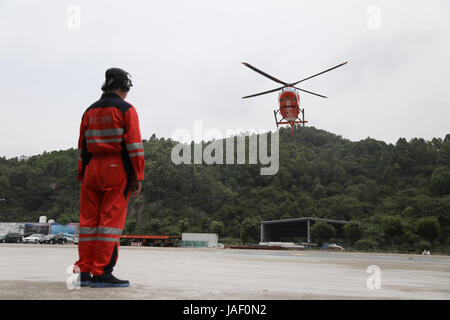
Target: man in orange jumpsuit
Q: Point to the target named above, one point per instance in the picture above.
(110, 168)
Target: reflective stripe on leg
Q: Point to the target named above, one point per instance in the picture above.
(99, 239)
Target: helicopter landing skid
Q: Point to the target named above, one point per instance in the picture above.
(290, 122)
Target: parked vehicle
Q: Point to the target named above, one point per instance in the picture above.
(69, 237)
(13, 237)
(61, 238)
(50, 238)
(2, 238)
(334, 246)
(34, 238)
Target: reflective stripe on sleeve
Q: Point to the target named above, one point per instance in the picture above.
(135, 146)
(137, 154)
(103, 133)
(103, 140)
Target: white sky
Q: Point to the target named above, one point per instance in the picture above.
(184, 58)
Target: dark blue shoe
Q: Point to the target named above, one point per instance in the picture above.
(85, 279)
(108, 281)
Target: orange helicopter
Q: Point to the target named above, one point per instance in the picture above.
(288, 98)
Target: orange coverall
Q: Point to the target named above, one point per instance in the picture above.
(111, 156)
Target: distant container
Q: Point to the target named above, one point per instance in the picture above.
(51, 221)
(63, 228)
(199, 240)
(42, 219)
(32, 228)
(7, 227)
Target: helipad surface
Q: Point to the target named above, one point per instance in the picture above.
(29, 271)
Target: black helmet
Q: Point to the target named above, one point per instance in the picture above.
(116, 78)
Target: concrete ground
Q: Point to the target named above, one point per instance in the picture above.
(29, 271)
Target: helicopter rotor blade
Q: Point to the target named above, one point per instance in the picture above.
(265, 92)
(339, 65)
(263, 73)
(316, 94)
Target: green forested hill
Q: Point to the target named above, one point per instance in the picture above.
(398, 195)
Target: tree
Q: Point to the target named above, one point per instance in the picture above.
(440, 182)
(393, 228)
(366, 244)
(250, 229)
(428, 228)
(130, 225)
(217, 227)
(4, 185)
(352, 231)
(183, 225)
(170, 230)
(319, 191)
(322, 232)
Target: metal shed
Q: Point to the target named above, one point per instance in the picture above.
(286, 229)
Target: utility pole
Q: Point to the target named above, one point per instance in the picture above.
(308, 232)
